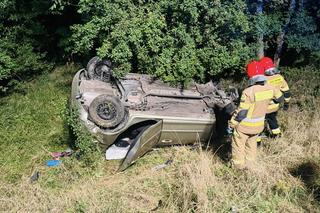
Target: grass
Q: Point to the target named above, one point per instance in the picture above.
(286, 178)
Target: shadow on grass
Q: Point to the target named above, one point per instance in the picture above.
(64, 138)
(220, 142)
(63, 77)
(309, 173)
(70, 138)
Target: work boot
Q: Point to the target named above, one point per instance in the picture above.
(261, 136)
(275, 133)
(275, 136)
(259, 141)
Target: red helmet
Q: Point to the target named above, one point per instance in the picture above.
(254, 68)
(267, 63)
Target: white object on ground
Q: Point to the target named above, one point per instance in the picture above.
(116, 152)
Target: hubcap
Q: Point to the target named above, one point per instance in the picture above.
(106, 111)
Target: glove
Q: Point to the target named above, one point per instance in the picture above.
(229, 130)
(285, 106)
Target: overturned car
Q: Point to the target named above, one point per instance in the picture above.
(131, 115)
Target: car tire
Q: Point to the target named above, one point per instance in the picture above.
(107, 111)
(99, 69)
(91, 66)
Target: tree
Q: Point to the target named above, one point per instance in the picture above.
(175, 40)
(280, 38)
(303, 37)
(286, 26)
(259, 12)
(20, 41)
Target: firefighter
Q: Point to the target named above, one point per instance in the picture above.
(277, 80)
(248, 120)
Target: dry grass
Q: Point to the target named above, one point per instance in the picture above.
(196, 181)
(285, 179)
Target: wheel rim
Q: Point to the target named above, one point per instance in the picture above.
(106, 111)
(102, 71)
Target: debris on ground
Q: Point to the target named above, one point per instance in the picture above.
(234, 209)
(160, 204)
(66, 153)
(118, 150)
(164, 165)
(53, 163)
(35, 176)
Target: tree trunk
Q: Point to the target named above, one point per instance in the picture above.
(260, 50)
(280, 38)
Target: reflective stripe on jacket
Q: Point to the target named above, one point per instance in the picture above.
(249, 117)
(280, 83)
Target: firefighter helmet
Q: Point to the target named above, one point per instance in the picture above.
(254, 68)
(268, 66)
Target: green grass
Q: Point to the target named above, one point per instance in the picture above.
(32, 126)
(287, 178)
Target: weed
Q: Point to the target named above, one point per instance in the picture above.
(81, 207)
(88, 150)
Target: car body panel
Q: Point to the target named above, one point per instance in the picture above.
(148, 138)
(183, 121)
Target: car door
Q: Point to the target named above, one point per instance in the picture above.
(146, 139)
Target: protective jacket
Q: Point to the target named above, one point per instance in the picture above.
(250, 115)
(279, 83)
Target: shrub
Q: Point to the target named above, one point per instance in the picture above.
(88, 151)
(177, 41)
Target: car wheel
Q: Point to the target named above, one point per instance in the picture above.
(99, 69)
(91, 65)
(107, 111)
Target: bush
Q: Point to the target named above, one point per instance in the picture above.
(18, 61)
(21, 39)
(88, 151)
(177, 41)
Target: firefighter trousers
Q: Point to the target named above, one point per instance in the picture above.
(244, 148)
(273, 123)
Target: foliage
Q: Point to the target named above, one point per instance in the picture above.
(297, 20)
(177, 41)
(31, 126)
(184, 40)
(20, 40)
(303, 34)
(34, 124)
(88, 150)
(18, 59)
(305, 94)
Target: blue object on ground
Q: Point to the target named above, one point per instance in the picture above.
(52, 163)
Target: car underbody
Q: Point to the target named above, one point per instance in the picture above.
(131, 115)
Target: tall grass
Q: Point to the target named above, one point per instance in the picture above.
(286, 177)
